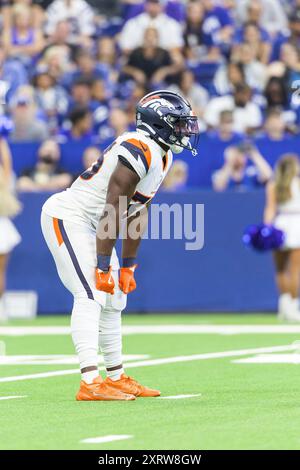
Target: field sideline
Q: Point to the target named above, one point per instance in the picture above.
(228, 382)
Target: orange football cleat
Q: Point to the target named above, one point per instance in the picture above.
(100, 390)
(129, 385)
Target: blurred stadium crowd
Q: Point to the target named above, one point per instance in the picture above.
(73, 70)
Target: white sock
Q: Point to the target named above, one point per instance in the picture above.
(84, 328)
(115, 374)
(295, 304)
(3, 316)
(284, 303)
(110, 341)
(89, 377)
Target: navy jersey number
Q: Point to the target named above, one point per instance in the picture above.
(88, 174)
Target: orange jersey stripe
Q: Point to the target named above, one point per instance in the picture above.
(143, 147)
(57, 232)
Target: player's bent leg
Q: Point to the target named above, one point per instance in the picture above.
(110, 343)
(84, 324)
(73, 250)
(110, 336)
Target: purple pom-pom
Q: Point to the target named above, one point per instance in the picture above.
(263, 237)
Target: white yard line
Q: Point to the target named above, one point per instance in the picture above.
(13, 397)
(270, 359)
(180, 397)
(159, 329)
(104, 439)
(165, 360)
(34, 330)
(57, 359)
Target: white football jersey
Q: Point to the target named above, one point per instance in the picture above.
(85, 200)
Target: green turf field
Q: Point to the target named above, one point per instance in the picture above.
(244, 371)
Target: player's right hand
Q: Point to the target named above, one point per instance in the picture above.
(105, 281)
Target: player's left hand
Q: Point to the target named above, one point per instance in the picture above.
(127, 282)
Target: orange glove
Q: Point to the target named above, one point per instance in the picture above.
(104, 281)
(126, 281)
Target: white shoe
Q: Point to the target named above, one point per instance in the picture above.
(3, 316)
(284, 306)
(288, 309)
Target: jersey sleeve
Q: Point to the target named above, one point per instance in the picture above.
(137, 154)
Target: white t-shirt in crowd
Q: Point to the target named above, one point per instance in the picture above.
(170, 31)
(78, 13)
(244, 118)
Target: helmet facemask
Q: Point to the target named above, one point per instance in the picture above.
(185, 128)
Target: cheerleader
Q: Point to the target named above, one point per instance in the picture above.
(9, 207)
(283, 211)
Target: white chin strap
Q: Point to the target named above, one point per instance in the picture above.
(176, 148)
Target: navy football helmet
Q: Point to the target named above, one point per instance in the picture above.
(168, 118)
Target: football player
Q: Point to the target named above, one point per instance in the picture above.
(74, 223)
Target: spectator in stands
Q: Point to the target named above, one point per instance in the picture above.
(12, 76)
(58, 60)
(90, 156)
(87, 69)
(46, 175)
(81, 126)
(50, 97)
(255, 70)
(80, 16)
(244, 168)
(29, 127)
(36, 13)
(268, 13)
(93, 96)
(258, 43)
(228, 76)
(294, 27)
(100, 92)
(243, 67)
(62, 37)
(275, 125)
(81, 94)
(277, 96)
(193, 92)
(150, 65)
(247, 115)
(193, 34)
(177, 176)
(130, 105)
(289, 57)
(276, 93)
(170, 30)
(22, 39)
(107, 55)
(217, 26)
(253, 16)
(225, 131)
(118, 123)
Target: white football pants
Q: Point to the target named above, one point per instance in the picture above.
(96, 316)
